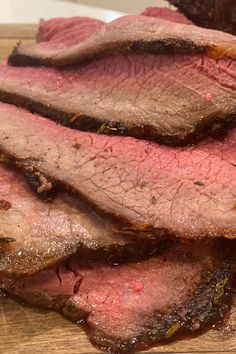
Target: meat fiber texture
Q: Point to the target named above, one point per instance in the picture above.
(68, 31)
(186, 192)
(130, 33)
(217, 14)
(172, 99)
(65, 32)
(166, 14)
(129, 94)
(128, 307)
(35, 234)
(83, 27)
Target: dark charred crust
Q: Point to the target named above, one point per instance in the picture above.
(196, 314)
(217, 14)
(34, 181)
(215, 127)
(168, 46)
(134, 250)
(33, 106)
(5, 205)
(7, 239)
(40, 184)
(164, 46)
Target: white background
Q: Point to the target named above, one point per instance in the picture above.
(30, 11)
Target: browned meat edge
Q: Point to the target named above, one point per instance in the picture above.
(209, 304)
(217, 126)
(166, 46)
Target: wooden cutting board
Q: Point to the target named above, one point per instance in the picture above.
(28, 330)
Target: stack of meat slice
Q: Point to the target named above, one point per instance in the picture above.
(120, 223)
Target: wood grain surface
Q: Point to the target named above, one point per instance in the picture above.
(27, 330)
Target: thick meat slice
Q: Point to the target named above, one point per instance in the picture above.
(172, 99)
(188, 192)
(130, 33)
(166, 14)
(217, 14)
(35, 234)
(67, 31)
(128, 307)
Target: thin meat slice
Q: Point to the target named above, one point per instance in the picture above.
(172, 99)
(82, 27)
(187, 192)
(166, 14)
(217, 14)
(130, 33)
(128, 307)
(35, 234)
(67, 30)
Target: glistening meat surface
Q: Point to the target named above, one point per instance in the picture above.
(35, 234)
(172, 99)
(130, 33)
(187, 192)
(127, 307)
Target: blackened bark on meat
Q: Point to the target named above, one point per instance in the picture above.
(166, 46)
(215, 14)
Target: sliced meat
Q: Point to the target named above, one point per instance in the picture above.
(66, 32)
(172, 99)
(80, 28)
(130, 33)
(166, 14)
(128, 307)
(35, 234)
(187, 192)
(217, 14)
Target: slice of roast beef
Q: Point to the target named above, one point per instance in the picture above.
(172, 99)
(217, 14)
(187, 192)
(35, 234)
(128, 307)
(166, 14)
(57, 29)
(80, 28)
(130, 95)
(67, 31)
(130, 33)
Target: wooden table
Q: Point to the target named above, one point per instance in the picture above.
(29, 330)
